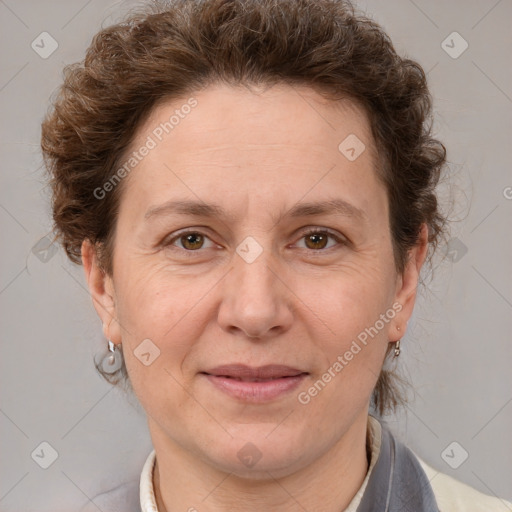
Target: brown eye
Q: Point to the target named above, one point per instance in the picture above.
(192, 241)
(188, 241)
(316, 240)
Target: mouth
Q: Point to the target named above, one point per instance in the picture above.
(255, 384)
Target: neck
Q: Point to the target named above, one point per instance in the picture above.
(184, 482)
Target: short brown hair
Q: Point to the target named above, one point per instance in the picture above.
(177, 48)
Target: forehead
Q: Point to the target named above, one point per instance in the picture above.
(268, 143)
(255, 115)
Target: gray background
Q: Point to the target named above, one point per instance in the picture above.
(457, 351)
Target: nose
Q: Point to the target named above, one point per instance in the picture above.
(256, 302)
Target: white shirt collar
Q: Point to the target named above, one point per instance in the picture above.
(147, 494)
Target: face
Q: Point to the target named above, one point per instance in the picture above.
(253, 325)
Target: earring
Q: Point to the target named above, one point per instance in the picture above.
(397, 348)
(397, 345)
(113, 360)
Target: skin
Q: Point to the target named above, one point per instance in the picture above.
(257, 153)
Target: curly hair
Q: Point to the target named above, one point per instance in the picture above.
(175, 48)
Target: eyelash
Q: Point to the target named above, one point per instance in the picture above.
(313, 231)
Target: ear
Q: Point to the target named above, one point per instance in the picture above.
(101, 287)
(407, 283)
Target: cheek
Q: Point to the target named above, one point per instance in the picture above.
(153, 300)
(350, 341)
(351, 313)
(160, 322)
(349, 298)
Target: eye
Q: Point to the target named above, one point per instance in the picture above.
(190, 241)
(318, 239)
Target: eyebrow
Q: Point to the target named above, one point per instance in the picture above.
(201, 209)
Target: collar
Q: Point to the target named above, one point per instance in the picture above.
(147, 492)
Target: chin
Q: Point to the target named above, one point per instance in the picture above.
(255, 455)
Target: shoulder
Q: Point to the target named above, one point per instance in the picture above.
(454, 496)
(124, 498)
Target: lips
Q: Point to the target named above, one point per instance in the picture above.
(246, 373)
(255, 385)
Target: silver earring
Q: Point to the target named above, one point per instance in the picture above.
(113, 360)
(397, 348)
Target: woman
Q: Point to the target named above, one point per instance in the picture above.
(250, 186)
